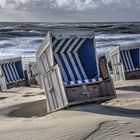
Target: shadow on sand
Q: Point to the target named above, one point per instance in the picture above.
(129, 88)
(107, 110)
(26, 110)
(39, 109)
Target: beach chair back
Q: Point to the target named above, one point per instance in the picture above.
(75, 54)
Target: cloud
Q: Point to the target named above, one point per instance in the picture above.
(12, 4)
(22, 4)
(67, 5)
(69, 10)
(81, 5)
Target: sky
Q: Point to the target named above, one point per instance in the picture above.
(69, 10)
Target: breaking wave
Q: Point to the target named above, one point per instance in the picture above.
(23, 39)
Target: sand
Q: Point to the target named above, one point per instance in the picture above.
(23, 116)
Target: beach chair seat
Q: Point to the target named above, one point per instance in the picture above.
(83, 81)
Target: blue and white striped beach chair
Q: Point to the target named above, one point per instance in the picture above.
(125, 62)
(11, 71)
(68, 64)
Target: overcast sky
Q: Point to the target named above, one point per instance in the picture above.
(70, 10)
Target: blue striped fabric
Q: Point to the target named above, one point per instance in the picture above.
(76, 58)
(84, 81)
(12, 72)
(135, 56)
(131, 59)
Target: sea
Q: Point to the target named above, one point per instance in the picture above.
(23, 39)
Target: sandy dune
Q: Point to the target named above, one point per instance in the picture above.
(23, 116)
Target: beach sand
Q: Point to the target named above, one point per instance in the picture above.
(23, 116)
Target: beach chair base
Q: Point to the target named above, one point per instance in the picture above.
(90, 92)
(19, 84)
(132, 75)
(59, 95)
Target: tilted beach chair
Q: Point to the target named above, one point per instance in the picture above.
(125, 62)
(11, 72)
(33, 74)
(70, 71)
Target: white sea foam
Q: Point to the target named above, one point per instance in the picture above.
(23, 39)
(21, 46)
(107, 42)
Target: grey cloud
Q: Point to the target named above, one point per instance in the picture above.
(69, 10)
(67, 5)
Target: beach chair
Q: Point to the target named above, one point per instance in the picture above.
(70, 71)
(101, 57)
(11, 73)
(124, 62)
(33, 74)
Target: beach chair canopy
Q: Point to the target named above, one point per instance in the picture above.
(74, 52)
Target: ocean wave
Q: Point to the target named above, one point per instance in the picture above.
(24, 39)
(6, 43)
(36, 41)
(24, 33)
(39, 29)
(117, 37)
